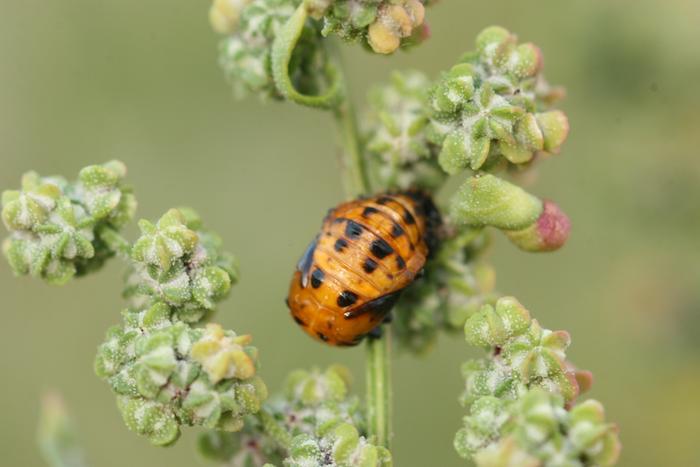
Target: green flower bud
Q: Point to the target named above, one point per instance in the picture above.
(399, 153)
(104, 197)
(554, 126)
(493, 327)
(539, 358)
(245, 55)
(591, 435)
(486, 108)
(23, 210)
(488, 200)
(548, 233)
(150, 419)
(166, 242)
(482, 426)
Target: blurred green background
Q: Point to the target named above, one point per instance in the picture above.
(86, 81)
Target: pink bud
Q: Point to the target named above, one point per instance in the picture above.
(548, 233)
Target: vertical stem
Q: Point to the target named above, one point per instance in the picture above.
(378, 362)
(353, 162)
(379, 389)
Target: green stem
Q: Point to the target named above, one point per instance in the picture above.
(379, 391)
(355, 174)
(378, 369)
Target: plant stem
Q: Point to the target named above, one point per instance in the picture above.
(355, 175)
(378, 363)
(379, 389)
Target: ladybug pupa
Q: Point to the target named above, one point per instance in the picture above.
(351, 275)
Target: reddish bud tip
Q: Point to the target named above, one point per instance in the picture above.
(553, 227)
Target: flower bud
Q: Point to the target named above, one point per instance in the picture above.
(166, 242)
(150, 419)
(483, 424)
(222, 354)
(488, 200)
(492, 327)
(548, 233)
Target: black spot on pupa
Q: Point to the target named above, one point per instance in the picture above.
(397, 230)
(340, 244)
(380, 248)
(346, 299)
(400, 262)
(286, 302)
(408, 217)
(299, 321)
(317, 278)
(369, 265)
(369, 210)
(384, 200)
(322, 336)
(353, 230)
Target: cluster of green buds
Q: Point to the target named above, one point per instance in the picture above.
(521, 399)
(179, 263)
(457, 282)
(491, 108)
(313, 422)
(398, 151)
(166, 372)
(537, 431)
(384, 25)
(524, 355)
(250, 28)
(488, 113)
(60, 229)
